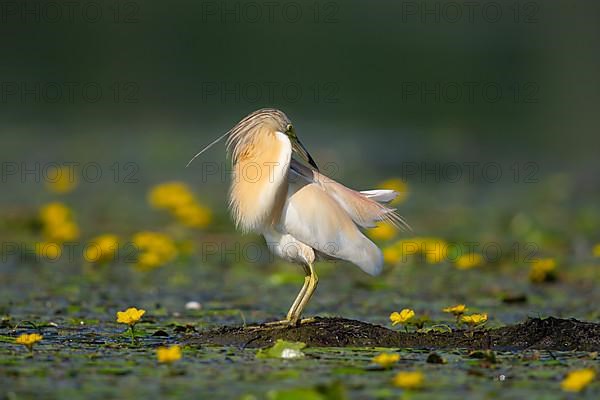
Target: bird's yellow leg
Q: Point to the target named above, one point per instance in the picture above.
(295, 313)
(300, 294)
(288, 319)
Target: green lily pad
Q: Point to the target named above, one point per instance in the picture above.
(283, 349)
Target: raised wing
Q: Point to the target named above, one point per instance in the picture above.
(365, 208)
(315, 218)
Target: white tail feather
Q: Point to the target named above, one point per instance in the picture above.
(380, 195)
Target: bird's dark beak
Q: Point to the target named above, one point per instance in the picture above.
(299, 148)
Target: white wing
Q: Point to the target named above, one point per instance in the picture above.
(315, 218)
(364, 207)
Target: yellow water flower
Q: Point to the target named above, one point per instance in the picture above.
(468, 261)
(397, 185)
(402, 317)
(57, 223)
(409, 380)
(386, 360)
(474, 319)
(542, 270)
(155, 249)
(577, 380)
(28, 340)
(61, 180)
(131, 316)
(148, 261)
(65, 232)
(596, 250)
(180, 201)
(434, 249)
(55, 212)
(170, 195)
(167, 355)
(193, 215)
(101, 248)
(382, 232)
(392, 255)
(458, 309)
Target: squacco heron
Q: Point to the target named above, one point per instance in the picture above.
(302, 214)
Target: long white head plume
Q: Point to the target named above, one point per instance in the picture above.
(243, 132)
(217, 140)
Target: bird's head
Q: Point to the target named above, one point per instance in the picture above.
(266, 120)
(297, 146)
(249, 129)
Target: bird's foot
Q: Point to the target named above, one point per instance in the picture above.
(294, 322)
(284, 323)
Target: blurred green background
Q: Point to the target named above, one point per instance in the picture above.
(345, 72)
(444, 95)
(487, 110)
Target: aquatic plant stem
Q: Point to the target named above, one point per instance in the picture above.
(131, 330)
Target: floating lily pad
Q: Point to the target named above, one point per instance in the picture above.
(283, 349)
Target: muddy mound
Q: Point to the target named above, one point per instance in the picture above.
(549, 334)
(542, 334)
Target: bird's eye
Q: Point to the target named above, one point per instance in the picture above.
(289, 130)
